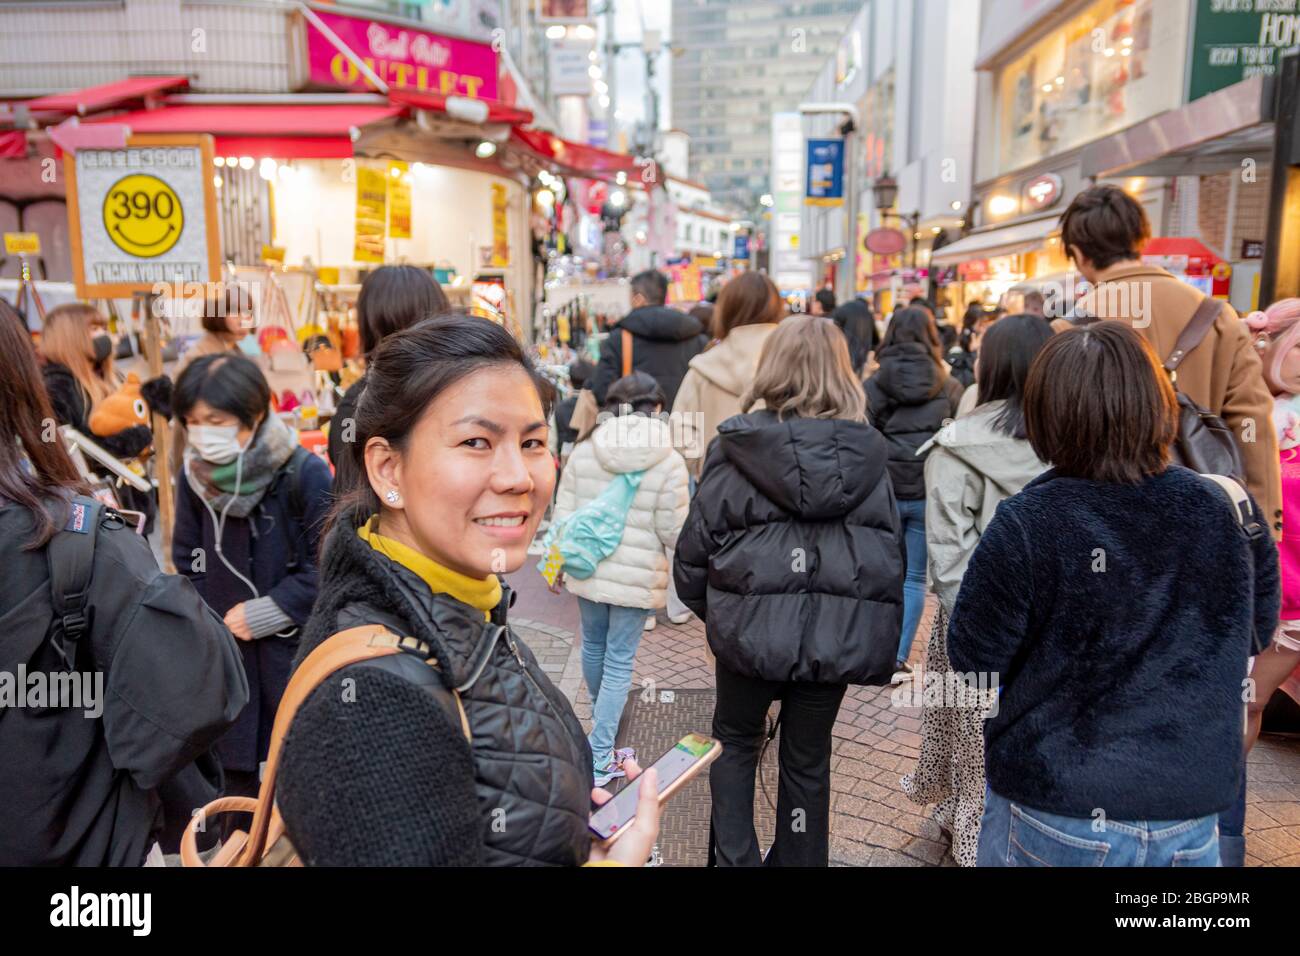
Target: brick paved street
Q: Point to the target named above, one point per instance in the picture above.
(873, 823)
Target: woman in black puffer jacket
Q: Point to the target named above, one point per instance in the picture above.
(909, 397)
(792, 556)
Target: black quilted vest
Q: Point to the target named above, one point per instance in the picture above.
(532, 763)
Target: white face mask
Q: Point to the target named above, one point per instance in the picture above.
(218, 444)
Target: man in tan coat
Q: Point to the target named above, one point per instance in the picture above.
(1103, 230)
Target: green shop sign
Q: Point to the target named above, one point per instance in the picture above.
(1237, 39)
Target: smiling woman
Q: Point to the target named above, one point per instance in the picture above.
(475, 758)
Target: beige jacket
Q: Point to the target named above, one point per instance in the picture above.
(711, 391)
(1223, 374)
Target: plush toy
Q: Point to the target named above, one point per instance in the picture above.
(124, 408)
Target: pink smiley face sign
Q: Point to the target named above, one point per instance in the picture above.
(404, 58)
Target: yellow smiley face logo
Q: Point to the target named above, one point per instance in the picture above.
(143, 215)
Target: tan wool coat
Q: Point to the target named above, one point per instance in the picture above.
(712, 389)
(1223, 374)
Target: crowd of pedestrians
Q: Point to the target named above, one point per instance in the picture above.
(800, 483)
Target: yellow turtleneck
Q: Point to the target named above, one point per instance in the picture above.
(481, 593)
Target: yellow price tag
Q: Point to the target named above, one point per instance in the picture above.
(22, 244)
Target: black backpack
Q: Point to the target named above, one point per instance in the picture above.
(70, 559)
(1205, 443)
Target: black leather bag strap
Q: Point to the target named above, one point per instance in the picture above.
(70, 558)
(1194, 333)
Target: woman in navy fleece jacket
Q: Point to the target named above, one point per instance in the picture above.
(1116, 599)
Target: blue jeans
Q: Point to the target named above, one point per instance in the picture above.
(610, 637)
(912, 516)
(1232, 824)
(1016, 835)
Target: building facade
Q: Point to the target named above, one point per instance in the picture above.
(740, 62)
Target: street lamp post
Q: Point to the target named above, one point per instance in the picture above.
(885, 190)
(845, 286)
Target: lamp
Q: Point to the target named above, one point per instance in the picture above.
(885, 190)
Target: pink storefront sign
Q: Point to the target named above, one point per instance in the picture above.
(404, 58)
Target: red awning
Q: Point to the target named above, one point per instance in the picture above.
(95, 98)
(1164, 246)
(13, 144)
(575, 158)
(292, 131)
(497, 111)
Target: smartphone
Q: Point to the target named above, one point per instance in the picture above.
(688, 757)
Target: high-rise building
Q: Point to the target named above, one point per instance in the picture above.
(741, 62)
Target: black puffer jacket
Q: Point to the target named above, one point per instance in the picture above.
(663, 343)
(908, 399)
(792, 553)
(376, 770)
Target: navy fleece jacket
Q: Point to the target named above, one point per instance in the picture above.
(1118, 619)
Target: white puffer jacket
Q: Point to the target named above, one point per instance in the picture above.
(636, 574)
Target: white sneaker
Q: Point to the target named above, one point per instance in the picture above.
(683, 618)
(650, 623)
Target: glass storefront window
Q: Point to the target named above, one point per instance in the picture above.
(1117, 63)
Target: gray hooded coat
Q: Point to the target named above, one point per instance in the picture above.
(971, 468)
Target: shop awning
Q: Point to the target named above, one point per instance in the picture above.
(102, 97)
(1180, 247)
(998, 241)
(461, 106)
(13, 144)
(1211, 134)
(577, 159)
(289, 131)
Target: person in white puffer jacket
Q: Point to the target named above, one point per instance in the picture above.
(632, 583)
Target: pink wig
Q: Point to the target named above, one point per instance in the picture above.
(1276, 331)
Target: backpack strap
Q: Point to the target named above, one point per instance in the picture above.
(627, 353)
(340, 650)
(292, 472)
(1240, 502)
(70, 558)
(1194, 332)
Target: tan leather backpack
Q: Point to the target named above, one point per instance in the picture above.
(265, 843)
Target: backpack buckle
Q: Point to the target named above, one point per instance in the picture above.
(74, 625)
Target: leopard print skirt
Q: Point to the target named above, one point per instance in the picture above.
(950, 771)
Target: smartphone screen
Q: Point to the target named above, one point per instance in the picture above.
(685, 754)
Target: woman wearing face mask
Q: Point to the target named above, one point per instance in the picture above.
(78, 372)
(250, 504)
(452, 477)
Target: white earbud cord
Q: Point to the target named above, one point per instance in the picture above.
(219, 526)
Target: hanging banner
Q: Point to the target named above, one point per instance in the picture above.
(143, 215)
(399, 200)
(1234, 41)
(404, 58)
(825, 182)
(372, 195)
(500, 230)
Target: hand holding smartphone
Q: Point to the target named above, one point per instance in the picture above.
(674, 770)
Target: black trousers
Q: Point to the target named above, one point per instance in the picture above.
(803, 802)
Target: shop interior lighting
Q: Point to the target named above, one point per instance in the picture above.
(1047, 87)
(1060, 81)
(1002, 205)
(1128, 50)
(266, 169)
(546, 198)
(593, 71)
(592, 55)
(621, 178)
(584, 31)
(601, 87)
(956, 204)
(216, 181)
(485, 149)
(218, 161)
(1110, 51)
(618, 199)
(286, 173)
(604, 102)
(766, 200)
(245, 162)
(936, 229)
(555, 32)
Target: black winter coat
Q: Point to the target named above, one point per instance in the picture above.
(71, 408)
(275, 547)
(82, 792)
(792, 553)
(1117, 620)
(908, 399)
(663, 343)
(382, 776)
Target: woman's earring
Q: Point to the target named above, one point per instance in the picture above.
(392, 497)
